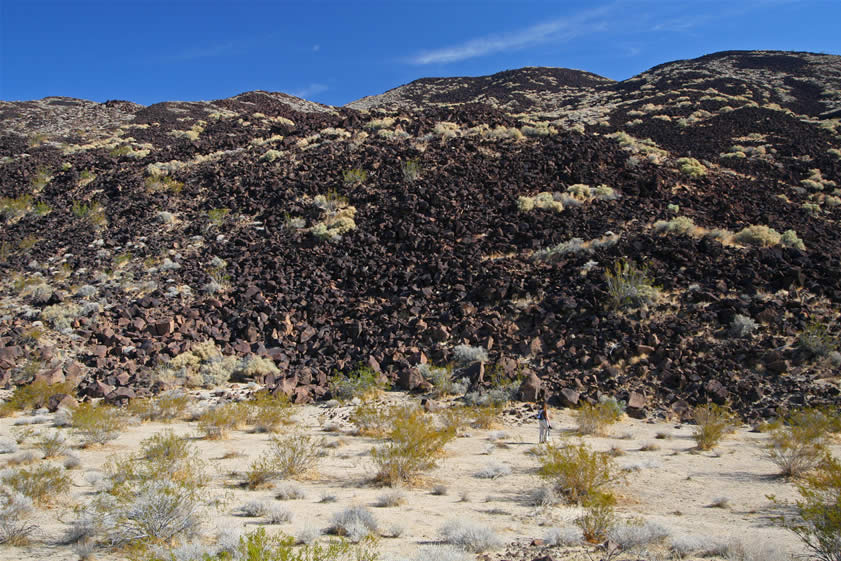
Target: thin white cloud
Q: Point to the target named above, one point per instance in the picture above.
(208, 51)
(557, 30)
(307, 91)
(620, 17)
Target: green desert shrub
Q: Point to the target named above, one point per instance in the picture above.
(33, 396)
(268, 412)
(594, 419)
(411, 170)
(797, 443)
(97, 424)
(682, 225)
(597, 519)
(260, 546)
(629, 286)
(578, 473)
(415, 445)
(818, 520)
(42, 483)
(816, 339)
(712, 423)
(166, 407)
(691, 167)
(354, 176)
(218, 421)
(361, 382)
(373, 419)
(543, 200)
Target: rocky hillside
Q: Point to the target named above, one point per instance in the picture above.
(671, 239)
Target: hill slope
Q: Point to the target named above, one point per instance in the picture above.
(322, 237)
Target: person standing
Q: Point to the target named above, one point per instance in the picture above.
(545, 425)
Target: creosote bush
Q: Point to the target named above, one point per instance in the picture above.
(579, 473)
(798, 444)
(415, 445)
(33, 396)
(712, 423)
(594, 419)
(218, 421)
(97, 424)
(817, 340)
(268, 413)
(373, 419)
(361, 382)
(166, 407)
(818, 521)
(597, 519)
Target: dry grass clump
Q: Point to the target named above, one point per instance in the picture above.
(415, 445)
(712, 423)
(486, 416)
(203, 365)
(42, 483)
(578, 473)
(97, 424)
(594, 419)
(543, 200)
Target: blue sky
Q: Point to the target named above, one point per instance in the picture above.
(337, 51)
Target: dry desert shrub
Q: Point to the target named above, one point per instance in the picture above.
(290, 456)
(355, 523)
(42, 483)
(469, 536)
(15, 510)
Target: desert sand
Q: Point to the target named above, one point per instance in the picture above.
(712, 497)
